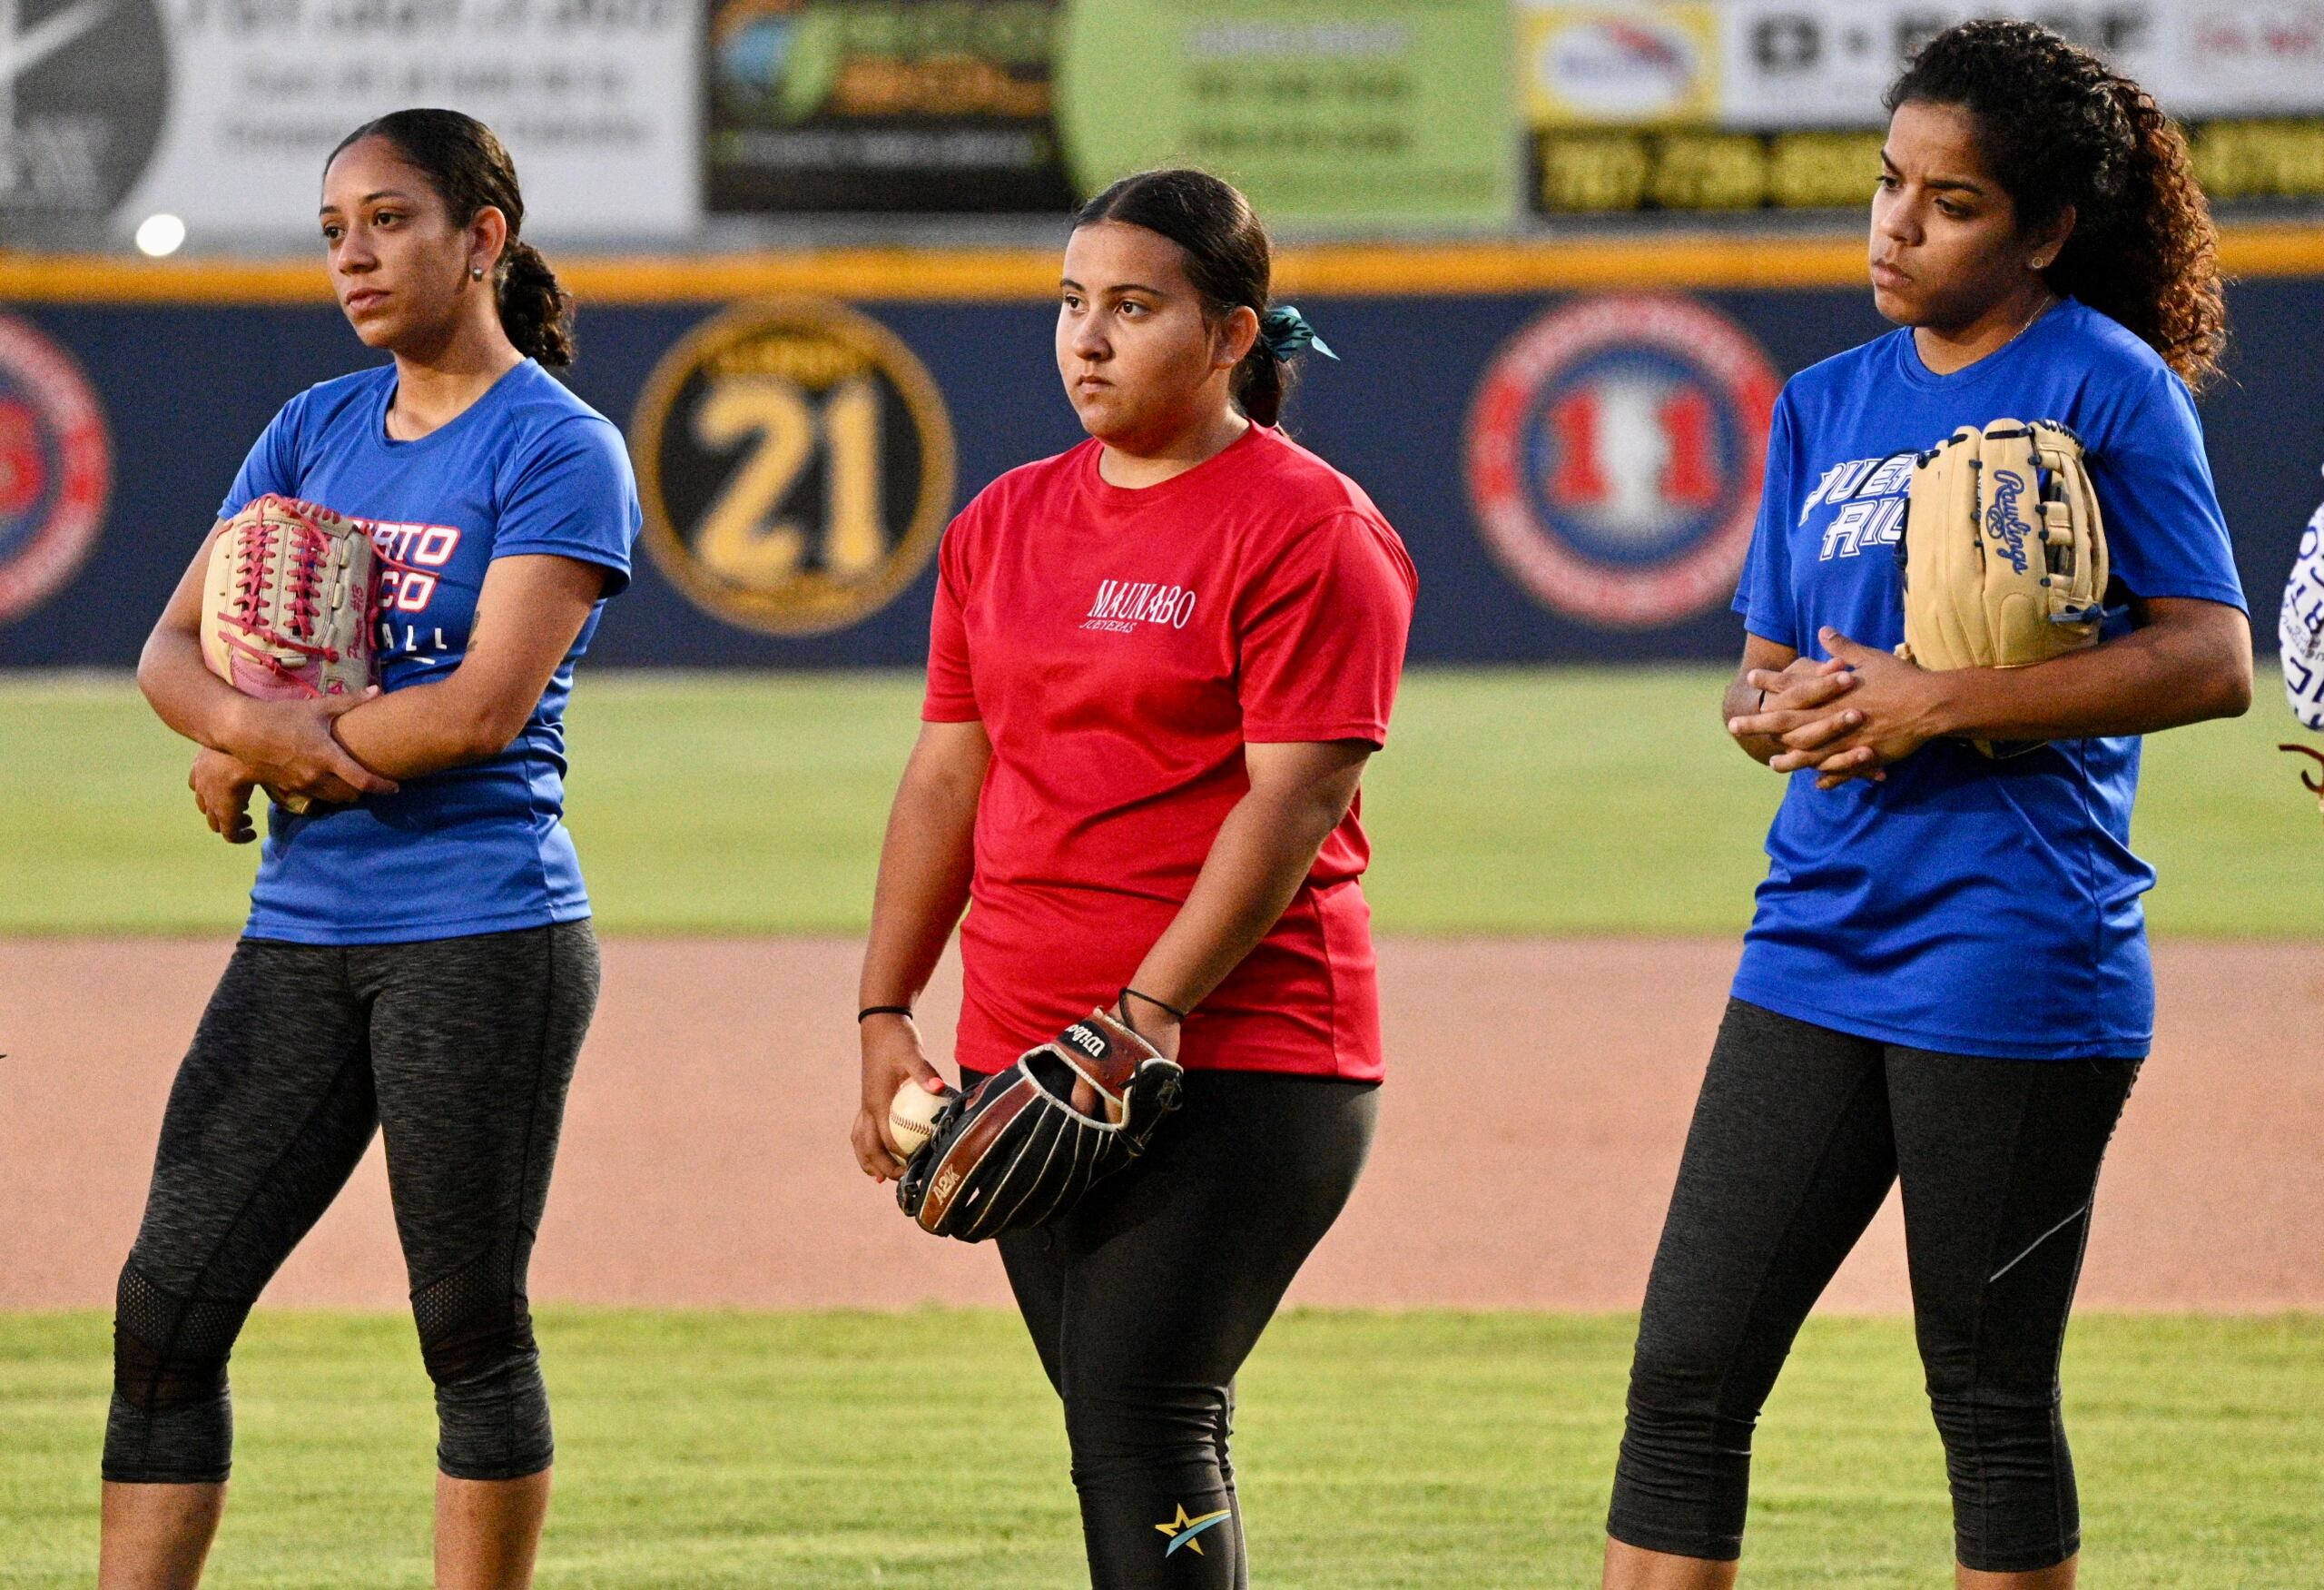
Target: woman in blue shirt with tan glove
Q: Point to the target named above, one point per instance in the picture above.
(1946, 980)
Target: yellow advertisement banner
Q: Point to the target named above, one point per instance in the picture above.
(1619, 65)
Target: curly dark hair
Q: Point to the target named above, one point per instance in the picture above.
(470, 168)
(2059, 127)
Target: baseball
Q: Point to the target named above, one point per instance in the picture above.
(911, 1116)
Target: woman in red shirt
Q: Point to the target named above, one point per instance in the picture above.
(1158, 664)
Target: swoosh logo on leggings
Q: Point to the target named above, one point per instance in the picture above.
(1182, 1530)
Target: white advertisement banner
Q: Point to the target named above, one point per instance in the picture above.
(1825, 63)
(2230, 59)
(1772, 64)
(221, 111)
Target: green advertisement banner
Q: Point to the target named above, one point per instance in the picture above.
(1330, 114)
(1355, 114)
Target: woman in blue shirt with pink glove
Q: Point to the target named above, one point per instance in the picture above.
(418, 958)
(1946, 980)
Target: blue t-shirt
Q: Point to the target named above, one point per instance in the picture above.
(529, 468)
(1968, 905)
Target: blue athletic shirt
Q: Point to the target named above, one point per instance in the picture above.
(529, 468)
(1967, 906)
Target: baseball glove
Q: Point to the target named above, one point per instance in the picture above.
(1014, 1152)
(289, 605)
(2004, 551)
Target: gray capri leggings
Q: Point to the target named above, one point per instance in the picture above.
(460, 1050)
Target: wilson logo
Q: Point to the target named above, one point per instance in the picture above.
(2003, 525)
(1088, 1042)
(1122, 605)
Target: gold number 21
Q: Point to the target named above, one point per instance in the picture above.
(741, 539)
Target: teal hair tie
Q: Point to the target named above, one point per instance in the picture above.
(1286, 332)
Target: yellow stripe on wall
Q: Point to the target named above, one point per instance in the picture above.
(1682, 261)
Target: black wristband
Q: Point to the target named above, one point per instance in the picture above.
(1149, 999)
(904, 1011)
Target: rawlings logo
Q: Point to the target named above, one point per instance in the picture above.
(2003, 523)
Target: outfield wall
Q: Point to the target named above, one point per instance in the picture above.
(1624, 382)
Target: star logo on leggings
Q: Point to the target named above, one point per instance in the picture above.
(1182, 1530)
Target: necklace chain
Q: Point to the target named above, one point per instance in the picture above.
(2049, 300)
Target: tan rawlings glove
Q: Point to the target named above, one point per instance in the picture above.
(289, 604)
(2003, 550)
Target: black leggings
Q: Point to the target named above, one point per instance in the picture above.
(461, 1050)
(1146, 1299)
(1796, 1136)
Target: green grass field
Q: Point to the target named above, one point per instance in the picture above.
(1534, 802)
(1403, 1451)
(1449, 1451)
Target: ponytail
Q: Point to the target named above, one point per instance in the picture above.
(1266, 374)
(535, 310)
(1261, 383)
(2151, 261)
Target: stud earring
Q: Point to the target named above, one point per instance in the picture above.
(475, 272)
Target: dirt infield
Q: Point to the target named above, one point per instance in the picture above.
(1537, 1095)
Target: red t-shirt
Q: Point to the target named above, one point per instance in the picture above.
(1120, 646)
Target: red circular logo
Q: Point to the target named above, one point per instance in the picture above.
(1616, 447)
(55, 468)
